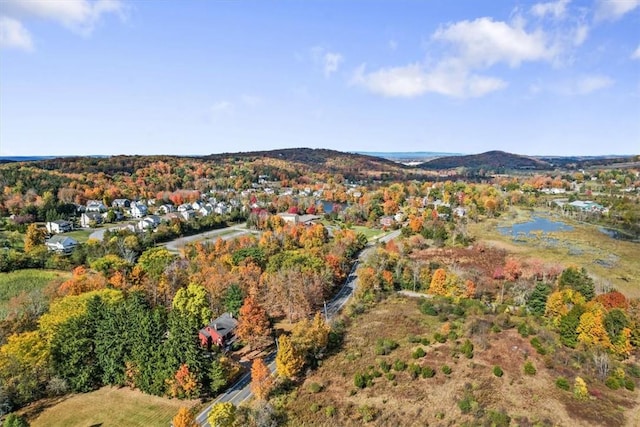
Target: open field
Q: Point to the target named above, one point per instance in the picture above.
(80, 235)
(368, 232)
(395, 398)
(15, 282)
(111, 406)
(612, 261)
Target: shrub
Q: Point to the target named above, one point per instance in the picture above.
(446, 369)
(498, 419)
(529, 369)
(414, 370)
(562, 383)
(359, 380)
(330, 411)
(315, 388)
(439, 337)
(399, 365)
(629, 384)
(426, 307)
(535, 343)
(634, 370)
(497, 371)
(467, 349)
(368, 413)
(523, 329)
(612, 382)
(428, 372)
(390, 376)
(413, 339)
(418, 353)
(580, 390)
(314, 407)
(495, 328)
(385, 366)
(467, 403)
(385, 346)
(425, 341)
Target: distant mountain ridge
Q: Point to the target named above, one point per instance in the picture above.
(489, 160)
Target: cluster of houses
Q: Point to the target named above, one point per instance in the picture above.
(584, 206)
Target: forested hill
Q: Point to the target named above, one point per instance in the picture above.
(291, 162)
(488, 160)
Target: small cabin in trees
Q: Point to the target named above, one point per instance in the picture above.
(219, 331)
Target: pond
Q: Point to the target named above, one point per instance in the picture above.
(536, 224)
(329, 206)
(618, 234)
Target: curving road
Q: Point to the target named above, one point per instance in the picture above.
(225, 233)
(241, 390)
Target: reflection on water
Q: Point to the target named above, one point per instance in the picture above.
(536, 224)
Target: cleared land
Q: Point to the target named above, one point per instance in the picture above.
(111, 406)
(15, 282)
(471, 393)
(616, 262)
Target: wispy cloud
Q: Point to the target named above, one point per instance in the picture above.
(588, 84)
(13, 35)
(329, 61)
(79, 16)
(612, 10)
(636, 53)
(554, 9)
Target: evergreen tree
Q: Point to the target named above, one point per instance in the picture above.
(537, 301)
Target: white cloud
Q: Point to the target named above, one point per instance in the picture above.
(13, 35)
(78, 15)
(413, 80)
(329, 61)
(332, 61)
(484, 42)
(556, 10)
(611, 10)
(636, 53)
(588, 84)
(580, 34)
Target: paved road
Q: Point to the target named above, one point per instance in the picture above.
(241, 390)
(226, 233)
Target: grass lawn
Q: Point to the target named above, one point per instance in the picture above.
(11, 284)
(80, 235)
(110, 406)
(610, 260)
(368, 232)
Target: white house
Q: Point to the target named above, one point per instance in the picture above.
(121, 203)
(61, 244)
(165, 209)
(59, 226)
(87, 218)
(95, 206)
(185, 207)
(205, 210)
(138, 210)
(188, 214)
(149, 222)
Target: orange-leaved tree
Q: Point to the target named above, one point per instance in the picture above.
(184, 418)
(253, 325)
(261, 381)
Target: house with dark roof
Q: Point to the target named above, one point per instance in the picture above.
(59, 226)
(219, 331)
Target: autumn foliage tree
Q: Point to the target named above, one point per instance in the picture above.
(261, 381)
(184, 418)
(222, 415)
(438, 284)
(34, 237)
(288, 360)
(253, 326)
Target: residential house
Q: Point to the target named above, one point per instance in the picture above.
(138, 210)
(289, 217)
(387, 221)
(220, 208)
(61, 244)
(218, 332)
(165, 209)
(197, 205)
(149, 223)
(188, 214)
(460, 212)
(95, 206)
(185, 207)
(59, 226)
(121, 203)
(205, 210)
(89, 219)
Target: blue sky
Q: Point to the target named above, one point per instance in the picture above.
(197, 77)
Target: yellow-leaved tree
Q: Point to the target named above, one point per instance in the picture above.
(222, 415)
(289, 362)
